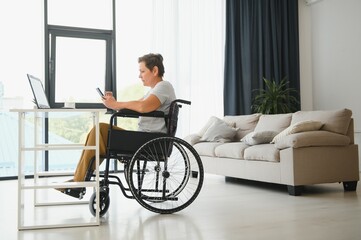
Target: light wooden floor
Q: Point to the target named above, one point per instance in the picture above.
(223, 210)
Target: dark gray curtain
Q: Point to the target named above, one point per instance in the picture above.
(261, 41)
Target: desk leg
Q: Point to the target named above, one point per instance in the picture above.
(97, 153)
(21, 173)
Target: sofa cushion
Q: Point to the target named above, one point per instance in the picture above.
(262, 152)
(298, 127)
(192, 139)
(254, 138)
(312, 138)
(231, 150)
(219, 131)
(244, 123)
(336, 121)
(273, 122)
(210, 121)
(206, 148)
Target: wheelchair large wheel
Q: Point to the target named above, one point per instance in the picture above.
(160, 175)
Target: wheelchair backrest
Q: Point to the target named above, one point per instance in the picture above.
(172, 118)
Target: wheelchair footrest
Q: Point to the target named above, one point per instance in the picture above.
(75, 192)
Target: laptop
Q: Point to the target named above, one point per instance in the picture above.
(40, 97)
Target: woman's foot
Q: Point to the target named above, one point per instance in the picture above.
(73, 192)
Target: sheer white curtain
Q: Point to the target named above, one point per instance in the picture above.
(190, 36)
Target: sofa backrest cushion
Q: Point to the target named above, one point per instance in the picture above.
(244, 123)
(273, 122)
(312, 139)
(336, 121)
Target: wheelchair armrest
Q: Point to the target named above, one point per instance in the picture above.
(135, 114)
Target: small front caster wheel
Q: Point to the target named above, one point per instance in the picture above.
(104, 203)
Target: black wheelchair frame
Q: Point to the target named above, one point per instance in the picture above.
(164, 173)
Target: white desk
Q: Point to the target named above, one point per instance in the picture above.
(44, 218)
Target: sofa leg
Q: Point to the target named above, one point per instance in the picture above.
(228, 179)
(194, 174)
(294, 190)
(350, 186)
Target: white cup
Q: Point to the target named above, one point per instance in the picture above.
(69, 104)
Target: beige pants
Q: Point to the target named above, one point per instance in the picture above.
(87, 155)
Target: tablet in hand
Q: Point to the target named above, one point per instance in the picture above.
(100, 92)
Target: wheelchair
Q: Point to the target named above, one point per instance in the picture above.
(163, 173)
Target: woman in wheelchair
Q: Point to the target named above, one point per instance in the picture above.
(159, 98)
(164, 174)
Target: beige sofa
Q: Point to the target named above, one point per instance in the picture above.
(303, 148)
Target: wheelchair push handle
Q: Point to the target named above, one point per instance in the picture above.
(183, 101)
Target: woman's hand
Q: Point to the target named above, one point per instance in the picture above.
(151, 103)
(109, 101)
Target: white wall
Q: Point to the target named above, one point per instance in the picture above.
(305, 56)
(330, 57)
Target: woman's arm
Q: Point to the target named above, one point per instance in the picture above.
(149, 104)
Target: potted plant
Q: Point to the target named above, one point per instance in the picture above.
(275, 98)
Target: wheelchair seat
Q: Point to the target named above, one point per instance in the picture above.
(122, 144)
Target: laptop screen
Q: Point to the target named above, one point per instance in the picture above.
(38, 91)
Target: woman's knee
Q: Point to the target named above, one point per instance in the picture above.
(103, 125)
(103, 128)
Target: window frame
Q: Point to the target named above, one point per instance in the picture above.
(82, 33)
(53, 31)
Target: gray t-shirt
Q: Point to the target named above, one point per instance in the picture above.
(164, 91)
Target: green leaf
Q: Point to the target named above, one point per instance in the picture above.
(275, 98)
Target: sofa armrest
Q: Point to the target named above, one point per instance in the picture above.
(351, 131)
(312, 138)
(193, 139)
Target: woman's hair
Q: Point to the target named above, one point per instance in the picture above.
(152, 60)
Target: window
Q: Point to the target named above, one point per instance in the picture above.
(80, 60)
